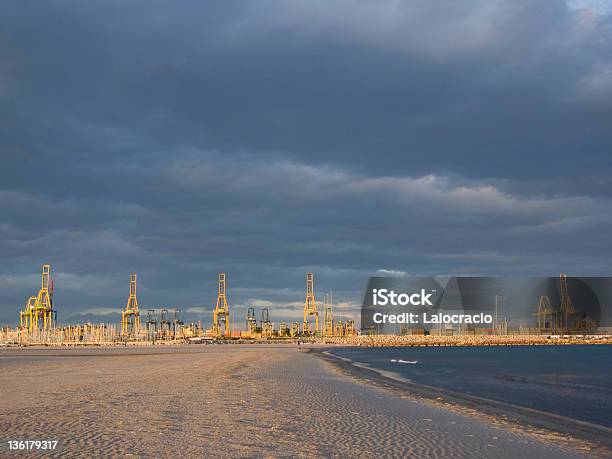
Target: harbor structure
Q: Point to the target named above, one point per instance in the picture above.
(310, 308)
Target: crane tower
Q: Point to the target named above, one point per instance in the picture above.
(251, 322)
(266, 325)
(328, 316)
(545, 314)
(310, 306)
(39, 313)
(130, 316)
(221, 322)
(567, 307)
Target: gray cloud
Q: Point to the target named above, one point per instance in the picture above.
(267, 139)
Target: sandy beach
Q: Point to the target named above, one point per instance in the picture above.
(234, 401)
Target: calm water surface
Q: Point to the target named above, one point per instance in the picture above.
(573, 381)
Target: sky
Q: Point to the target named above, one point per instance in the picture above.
(266, 139)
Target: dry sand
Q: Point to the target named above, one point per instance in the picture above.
(230, 401)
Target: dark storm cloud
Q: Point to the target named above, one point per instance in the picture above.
(266, 139)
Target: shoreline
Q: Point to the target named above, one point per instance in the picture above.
(357, 340)
(468, 340)
(597, 437)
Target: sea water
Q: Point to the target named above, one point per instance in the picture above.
(572, 381)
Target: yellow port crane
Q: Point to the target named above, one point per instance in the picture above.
(266, 325)
(328, 316)
(310, 306)
(567, 307)
(545, 314)
(38, 313)
(339, 328)
(283, 330)
(251, 322)
(130, 316)
(221, 322)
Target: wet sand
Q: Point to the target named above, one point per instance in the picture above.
(232, 401)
